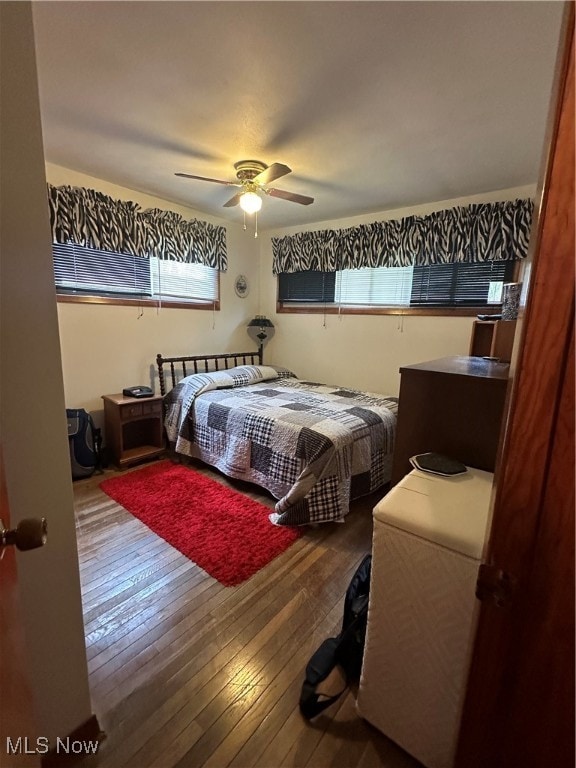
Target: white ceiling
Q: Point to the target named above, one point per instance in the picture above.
(374, 105)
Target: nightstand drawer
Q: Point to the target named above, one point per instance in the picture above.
(130, 411)
(155, 407)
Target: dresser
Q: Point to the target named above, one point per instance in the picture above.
(453, 406)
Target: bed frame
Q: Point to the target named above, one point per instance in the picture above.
(203, 364)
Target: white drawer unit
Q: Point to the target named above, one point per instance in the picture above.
(429, 535)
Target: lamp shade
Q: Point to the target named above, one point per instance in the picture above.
(260, 330)
(250, 202)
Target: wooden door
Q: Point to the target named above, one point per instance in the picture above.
(17, 718)
(519, 708)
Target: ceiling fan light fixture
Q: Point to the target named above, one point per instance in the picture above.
(250, 202)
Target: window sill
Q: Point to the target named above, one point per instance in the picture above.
(66, 298)
(424, 311)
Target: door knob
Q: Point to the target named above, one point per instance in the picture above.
(30, 533)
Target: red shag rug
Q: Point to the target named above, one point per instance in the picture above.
(227, 534)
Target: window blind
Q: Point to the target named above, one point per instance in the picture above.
(453, 285)
(437, 285)
(89, 271)
(176, 279)
(307, 287)
(374, 286)
(78, 269)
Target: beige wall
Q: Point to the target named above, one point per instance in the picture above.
(34, 434)
(358, 351)
(106, 348)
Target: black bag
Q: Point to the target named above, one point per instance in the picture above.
(85, 443)
(346, 650)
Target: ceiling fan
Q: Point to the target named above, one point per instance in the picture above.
(253, 177)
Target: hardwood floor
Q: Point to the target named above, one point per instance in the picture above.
(185, 672)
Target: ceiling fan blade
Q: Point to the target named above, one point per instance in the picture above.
(272, 173)
(233, 201)
(302, 199)
(205, 178)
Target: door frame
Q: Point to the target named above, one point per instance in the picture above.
(495, 729)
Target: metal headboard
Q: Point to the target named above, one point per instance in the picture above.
(202, 364)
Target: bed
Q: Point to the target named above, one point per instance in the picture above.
(314, 447)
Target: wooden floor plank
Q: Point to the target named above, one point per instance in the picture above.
(217, 674)
(186, 672)
(249, 738)
(382, 752)
(277, 665)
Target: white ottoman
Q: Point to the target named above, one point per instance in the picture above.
(429, 535)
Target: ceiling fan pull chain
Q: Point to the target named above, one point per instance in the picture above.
(244, 227)
(256, 224)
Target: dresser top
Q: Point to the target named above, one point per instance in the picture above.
(463, 366)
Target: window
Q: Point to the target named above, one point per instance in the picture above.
(460, 285)
(374, 286)
(307, 287)
(177, 279)
(435, 286)
(87, 272)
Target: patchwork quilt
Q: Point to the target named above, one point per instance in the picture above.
(313, 446)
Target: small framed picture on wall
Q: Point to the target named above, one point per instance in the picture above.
(241, 286)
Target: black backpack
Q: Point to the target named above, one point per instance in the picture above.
(85, 443)
(346, 650)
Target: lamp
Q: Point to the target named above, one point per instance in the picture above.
(260, 330)
(250, 202)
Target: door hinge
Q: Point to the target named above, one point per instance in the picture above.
(495, 584)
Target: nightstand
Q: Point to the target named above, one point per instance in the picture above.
(134, 428)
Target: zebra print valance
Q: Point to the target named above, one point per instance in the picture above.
(480, 232)
(87, 217)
